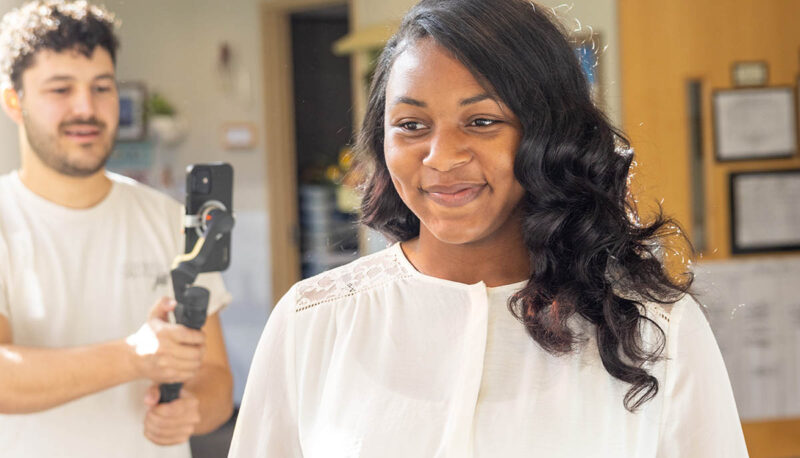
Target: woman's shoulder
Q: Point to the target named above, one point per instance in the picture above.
(680, 321)
(363, 274)
(673, 314)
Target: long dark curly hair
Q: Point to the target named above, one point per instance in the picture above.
(589, 253)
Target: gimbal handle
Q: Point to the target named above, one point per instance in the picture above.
(192, 301)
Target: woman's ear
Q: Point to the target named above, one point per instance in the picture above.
(11, 104)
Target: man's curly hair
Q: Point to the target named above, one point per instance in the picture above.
(56, 25)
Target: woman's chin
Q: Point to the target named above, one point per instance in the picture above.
(455, 235)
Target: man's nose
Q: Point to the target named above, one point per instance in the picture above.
(83, 103)
(449, 149)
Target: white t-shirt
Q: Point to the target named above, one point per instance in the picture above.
(79, 277)
(375, 359)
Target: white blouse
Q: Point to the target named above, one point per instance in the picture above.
(375, 359)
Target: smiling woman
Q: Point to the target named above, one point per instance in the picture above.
(524, 308)
(450, 149)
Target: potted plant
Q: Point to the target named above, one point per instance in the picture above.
(163, 122)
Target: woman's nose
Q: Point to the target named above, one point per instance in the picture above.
(448, 150)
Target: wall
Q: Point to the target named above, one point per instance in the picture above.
(664, 45)
(9, 145)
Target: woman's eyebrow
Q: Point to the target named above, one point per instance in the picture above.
(475, 99)
(421, 104)
(409, 101)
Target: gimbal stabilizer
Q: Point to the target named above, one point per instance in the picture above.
(193, 300)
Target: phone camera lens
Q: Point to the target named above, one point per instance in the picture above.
(201, 181)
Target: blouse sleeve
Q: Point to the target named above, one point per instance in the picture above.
(267, 422)
(699, 417)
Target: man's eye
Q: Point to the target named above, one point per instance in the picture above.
(102, 88)
(60, 90)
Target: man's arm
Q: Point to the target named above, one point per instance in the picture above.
(206, 401)
(36, 379)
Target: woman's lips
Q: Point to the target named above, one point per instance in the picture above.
(454, 195)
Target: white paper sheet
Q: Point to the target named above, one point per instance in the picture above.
(754, 309)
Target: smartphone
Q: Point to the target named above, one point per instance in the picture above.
(209, 186)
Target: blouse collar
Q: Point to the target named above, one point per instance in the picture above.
(401, 258)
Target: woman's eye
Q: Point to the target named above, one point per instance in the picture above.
(483, 122)
(412, 125)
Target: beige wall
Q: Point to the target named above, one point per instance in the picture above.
(373, 12)
(173, 47)
(9, 146)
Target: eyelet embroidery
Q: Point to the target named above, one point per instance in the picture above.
(661, 313)
(361, 275)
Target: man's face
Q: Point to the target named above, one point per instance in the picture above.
(70, 110)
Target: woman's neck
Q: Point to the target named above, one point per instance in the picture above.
(500, 259)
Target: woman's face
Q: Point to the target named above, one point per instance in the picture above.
(450, 146)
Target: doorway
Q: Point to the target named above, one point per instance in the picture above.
(328, 233)
(286, 169)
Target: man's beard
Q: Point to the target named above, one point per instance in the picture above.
(46, 147)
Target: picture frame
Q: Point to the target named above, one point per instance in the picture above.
(132, 108)
(754, 123)
(764, 211)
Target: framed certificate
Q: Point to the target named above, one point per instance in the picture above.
(765, 211)
(755, 123)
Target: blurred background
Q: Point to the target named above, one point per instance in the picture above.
(707, 92)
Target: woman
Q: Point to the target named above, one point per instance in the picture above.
(525, 310)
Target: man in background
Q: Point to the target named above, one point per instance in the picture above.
(84, 256)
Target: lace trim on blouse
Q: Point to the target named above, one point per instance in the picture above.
(659, 311)
(358, 276)
(374, 271)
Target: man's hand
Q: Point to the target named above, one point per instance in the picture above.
(164, 352)
(173, 422)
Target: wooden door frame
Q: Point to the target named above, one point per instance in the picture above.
(279, 135)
